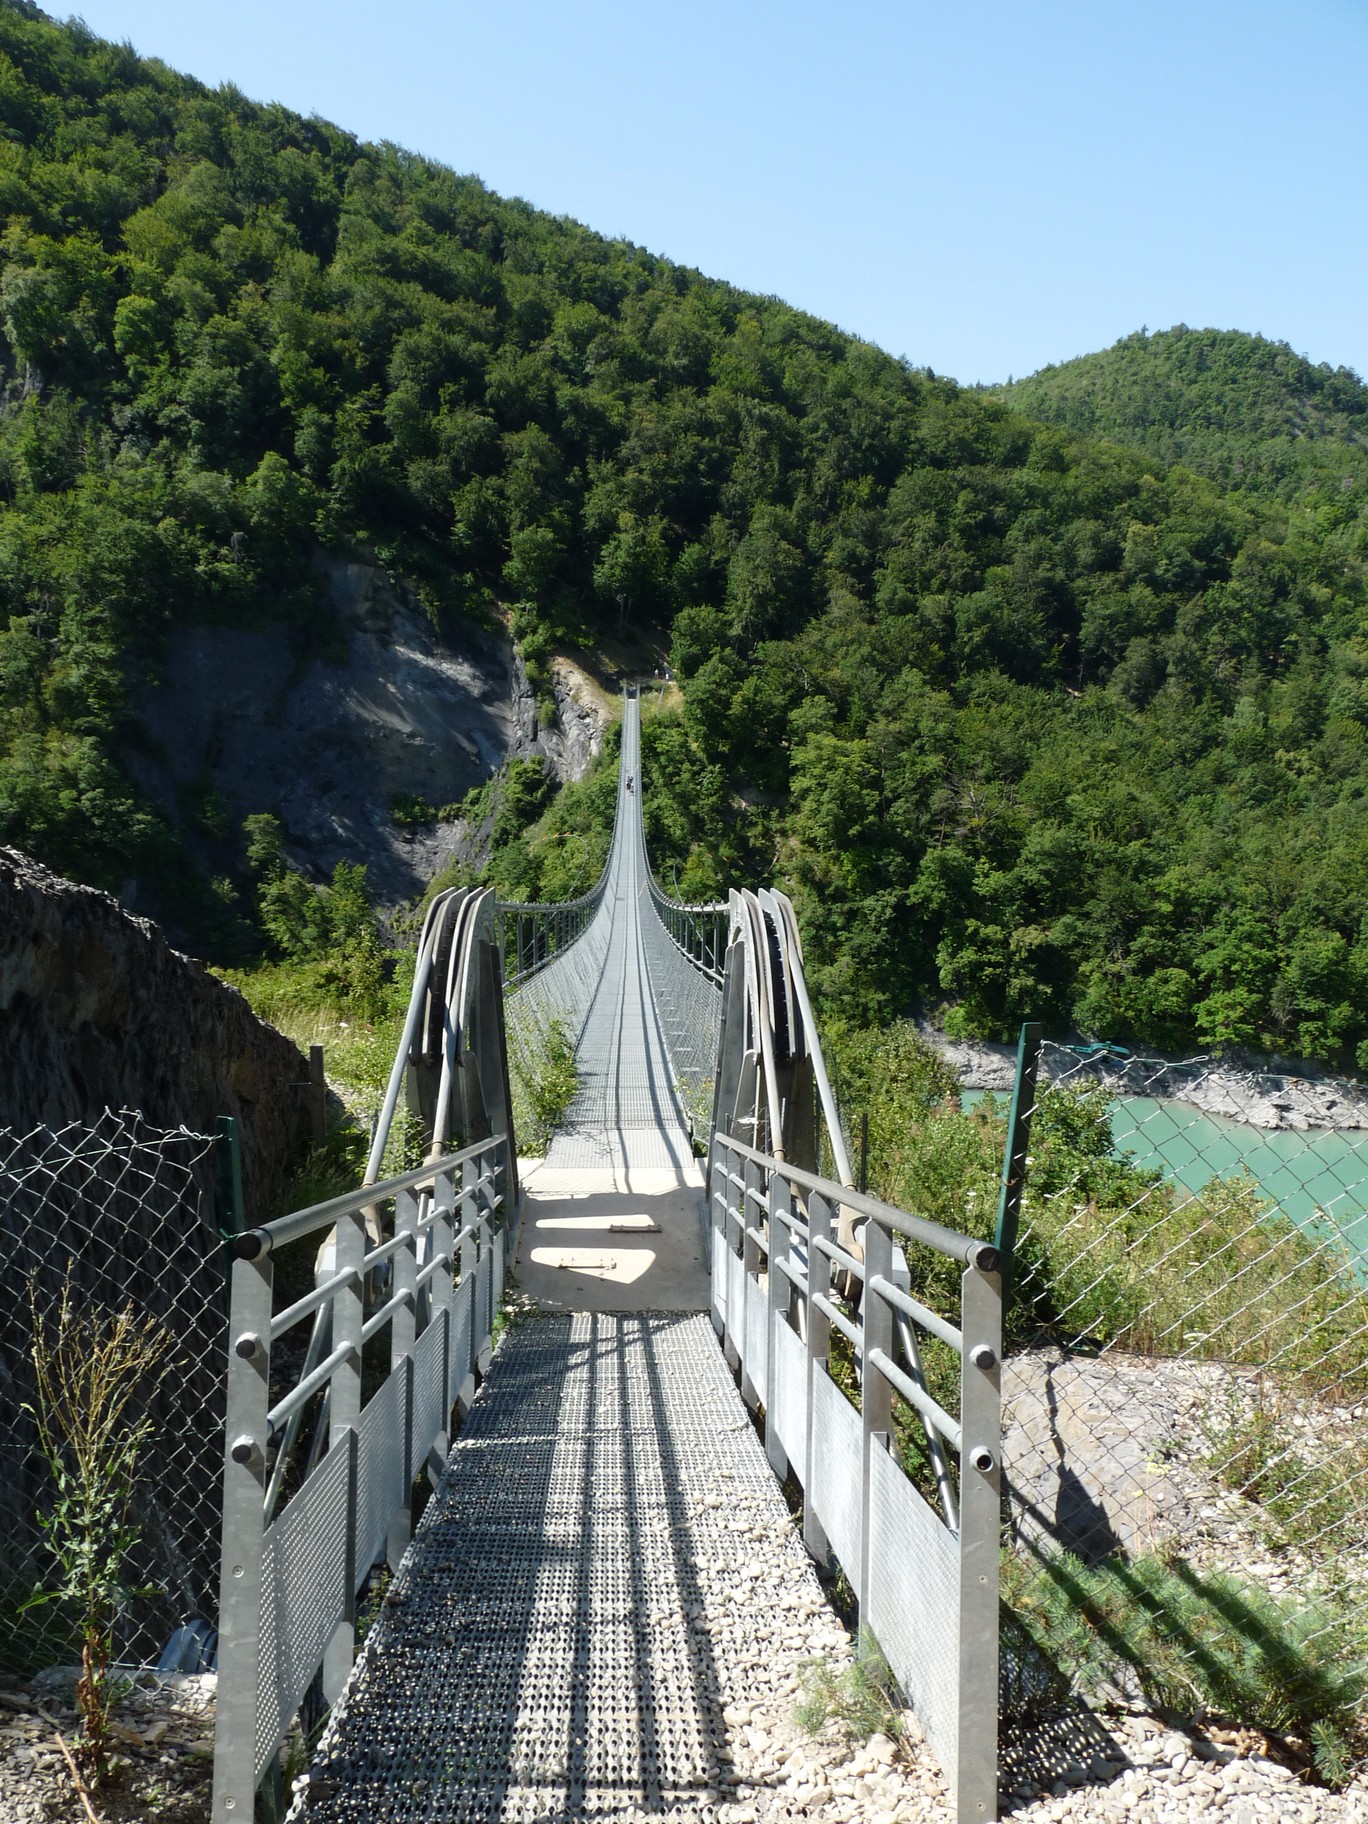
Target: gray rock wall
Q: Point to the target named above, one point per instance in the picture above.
(327, 743)
(97, 1010)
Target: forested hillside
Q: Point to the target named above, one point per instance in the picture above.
(1030, 724)
(1248, 412)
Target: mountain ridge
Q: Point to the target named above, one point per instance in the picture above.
(1245, 410)
(1031, 724)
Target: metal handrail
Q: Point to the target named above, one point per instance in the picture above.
(253, 1243)
(926, 1582)
(285, 1615)
(966, 1248)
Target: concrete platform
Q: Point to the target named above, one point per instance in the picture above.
(620, 1238)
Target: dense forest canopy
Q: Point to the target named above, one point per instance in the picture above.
(1248, 412)
(1030, 723)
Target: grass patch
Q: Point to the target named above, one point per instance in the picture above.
(854, 1701)
(543, 1079)
(1206, 1648)
(1310, 1497)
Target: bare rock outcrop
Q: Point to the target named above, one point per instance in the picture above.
(330, 741)
(97, 1010)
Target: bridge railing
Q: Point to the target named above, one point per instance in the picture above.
(686, 953)
(532, 935)
(408, 1280)
(856, 1385)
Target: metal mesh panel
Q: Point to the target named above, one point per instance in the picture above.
(484, 1281)
(834, 1491)
(379, 1472)
(303, 1596)
(429, 1406)
(688, 1002)
(461, 1307)
(119, 1214)
(757, 1324)
(912, 1605)
(500, 1250)
(788, 1397)
(736, 1297)
(719, 1273)
(556, 999)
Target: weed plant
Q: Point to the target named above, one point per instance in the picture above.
(855, 1701)
(1310, 1496)
(92, 1371)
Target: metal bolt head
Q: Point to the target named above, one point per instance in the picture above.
(981, 1458)
(982, 1356)
(243, 1450)
(248, 1345)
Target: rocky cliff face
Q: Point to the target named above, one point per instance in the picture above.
(97, 1010)
(328, 743)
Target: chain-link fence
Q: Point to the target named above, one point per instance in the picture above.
(119, 1215)
(1186, 1393)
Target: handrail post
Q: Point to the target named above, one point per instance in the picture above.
(974, 1776)
(776, 1313)
(876, 1396)
(344, 1409)
(716, 1234)
(754, 1176)
(443, 1234)
(733, 1321)
(487, 1209)
(1014, 1157)
(466, 1224)
(244, 1488)
(818, 1349)
(402, 1330)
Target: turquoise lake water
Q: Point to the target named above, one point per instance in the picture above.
(1318, 1178)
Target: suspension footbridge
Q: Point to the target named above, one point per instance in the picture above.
(606, 1583)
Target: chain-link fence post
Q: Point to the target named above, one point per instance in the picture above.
(1014, 1158)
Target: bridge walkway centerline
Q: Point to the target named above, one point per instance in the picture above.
(567, 1635)
(614, 1213)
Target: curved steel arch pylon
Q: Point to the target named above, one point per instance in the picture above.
(772, 1083)
(455, 1061)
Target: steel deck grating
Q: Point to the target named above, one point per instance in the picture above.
(547, 1651)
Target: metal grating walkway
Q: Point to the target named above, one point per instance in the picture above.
(553, 1647)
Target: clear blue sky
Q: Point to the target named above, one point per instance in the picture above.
(983, 187)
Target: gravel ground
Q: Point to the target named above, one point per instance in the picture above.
(164, 1743)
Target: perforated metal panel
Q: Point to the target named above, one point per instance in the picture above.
(460, 1336)
(837, 1447)
(788, 1399)
(481, 1313)
(429, 1405)
(540, 1661)
(379, 1472)
(912, 1607)
(500, 1249)
(303, 1596)
(736, 1298)
(719, 1274)
(757, 1327)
